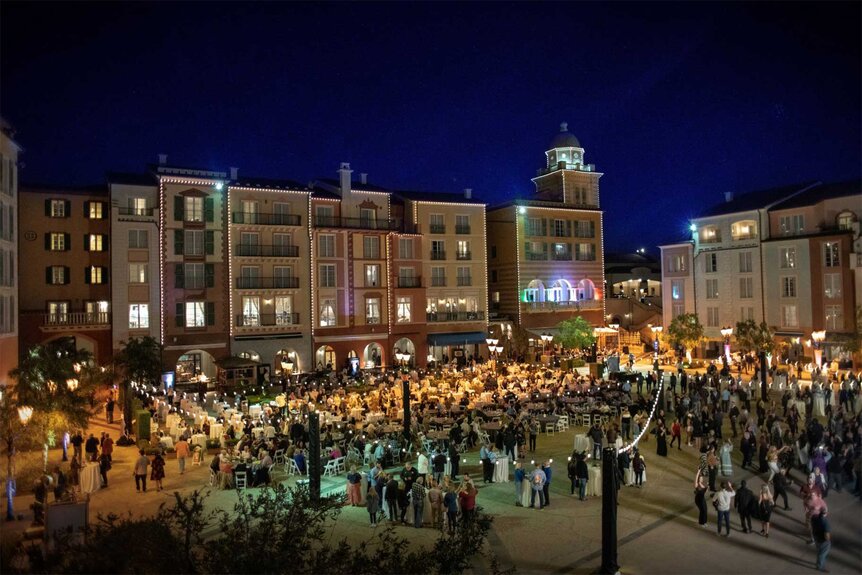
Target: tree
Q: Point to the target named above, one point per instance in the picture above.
(46, 380)
(140, 360)
(751, 337)
(685, 330)
(576, 333)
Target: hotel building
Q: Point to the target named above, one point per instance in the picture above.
(9, 268)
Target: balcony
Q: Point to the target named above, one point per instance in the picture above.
(409, 282)
(562, 257)
(78, 320)
(464, 281)
(277, 282)
(266, 219)
(438, 255)
(547, 306)
(356, 223)
(463, 256)
(266, 251)
(438, 281)
(441, 316)
(137, 212)
(534, 257)
(462, 229)
(267, 319)
(437, 229)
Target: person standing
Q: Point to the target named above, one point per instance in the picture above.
(183, 451)
(92, 448)
(422, 465)
(104, 467)
(391, 495)
(354, 487)
(417, 496)
(140, 471)
(676, 435)
(109, 409)
(157, 472)
(661, 440)
(467, 499)
(779, 483)
(767, 504)
(435, 499)
(822, 538)
(537, 482)
(723, 500)
(596, 436)
(487, 470)
(726, 462)
(534, 433)
(454, 460)
(583, 476)
(572, 471)
(372, 504)
(743, 502)
(450, 502)
(700, 498)
(438, 466)
(638, 466)
(546, 488)
(519, 482)
(77, 441)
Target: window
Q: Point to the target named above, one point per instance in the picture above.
(95, 210)
(372, 310)
(195, 314)
(832, 286)
(745, 262)
(712, 317)
(535, 227)
(193, 242)
(788, 286)
(371, 247)
(438, 224)
(831, 254)
(139, 316)
(676, 263)
(494, 277)
(282, 245)
(407, 278)
(57, 242)
(788, 316)
(97, 311)
(327, 275)
(250, 310)
(834, 317)
(710, 235)
(845, 220)
(372, 276)
(284, 310)
(58, 311)
(792, 225)
(138, 206)
(744, 230)
(712, 289)
(462, 224)
(678, 309)
(438, 250)
(711, 263)
(194, 209)
(326, 245)
(677, 290)
(137, 273)
(787, 258)
(249, 211)
(367, 217)
(327, 312)
(463, 250)
(560, 229)
(464, 278)
(95, 242)
(282, 276)
(58, 275)
(562, 252)
(96, 275)
(405, 248)
(57, 208)
(581, 196)
(324, 216)
(403, 310)
(586, 229)
(536, 250)
(746, 313)
(586, 252)
(194, 276)
(138, 239)
(746, 288)
(438, 277)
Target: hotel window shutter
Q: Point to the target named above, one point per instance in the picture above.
(47, 207)
(178, 208)
(48, 241)
(87, 209)
(87, 275)
(67, 242)
(66, 274)
(86, 242)
(210, 313)
(49, 275)
(209, 242)
(209, 209)
(181, 315)
(68, 208)
(179, 276)
(209, 274)
(178, 242)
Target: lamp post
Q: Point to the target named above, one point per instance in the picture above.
(726, 333)
(546, 339)
(403, 358)
(24, 415)
(656, 333)
(817, 337)
(492, 344)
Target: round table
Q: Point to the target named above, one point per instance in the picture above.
(199, 440)
(216, 430)
(91, 481)
(594, 484)
(167, 442)
(501, 470)
(583, 444)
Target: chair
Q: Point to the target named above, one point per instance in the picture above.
(586, 420)
(331, 468)
(241, 479)
(462, 448)
(279, 456)
(341, 464)
(291, 467)
(549, 428)
(213, 478)
(564, 421)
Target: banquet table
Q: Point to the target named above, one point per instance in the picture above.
(492, 426)
(594, 484)
(583, 443)
(216, 430)
(526, 492)
(819, 405)
(254, 410)
(440, 435)
(546, 420)
(167, 442)
(199, 439)
(501, 470)
(91, 481)
(391, 428)
(356, 413)
(493, 413)
(374, 417)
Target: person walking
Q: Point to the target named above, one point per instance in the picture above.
(638, 466)
(744, 502)
(104, 467)
(372, 504)
(726, 462)
(723, 500)
(572, 470)
(183, 451)
(822, 538)
(140, 471)
(779, 483)
(767, 504)
(700, 498)
(450, 503)
(157, 470)
(107, 446)
(519, 482)
(534, 433)
(676, 435)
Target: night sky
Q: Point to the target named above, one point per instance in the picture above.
(675, 103)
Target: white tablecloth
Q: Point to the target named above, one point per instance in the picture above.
(254, 410)
(800, 407)
(374, 417)
(166, 442)
(269, 432)
(819, 406)
(91, 481)
(583, 444)
(594, 484)
(199, 439)
(216, 430)
(501, 470)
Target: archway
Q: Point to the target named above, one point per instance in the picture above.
(287, 362)
(372, 356)
(585, 290)
(560, 290)
(405, 345)
(535, 291)
(195, 363)
(251, 354)
(325, 357)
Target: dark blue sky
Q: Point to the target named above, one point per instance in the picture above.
(675, 103)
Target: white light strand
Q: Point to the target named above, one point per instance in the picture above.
(634, 443)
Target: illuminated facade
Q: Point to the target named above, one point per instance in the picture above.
(9, 268)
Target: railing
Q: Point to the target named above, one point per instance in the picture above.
(465, 281)
(356, 223)
(437, 229)
(462, 229)
(438, 255)
(267, 319)
(437, 281)
(194, 282)
(590, 257)
(533, 257)
(584, 304)
(740, 237)
(438, 316)
(463, 256)
(76, 318)
(143, 212)
(564, 257)
(266, 250)
(266, 219)
(409, 282)
(275, 282)
(557, 234)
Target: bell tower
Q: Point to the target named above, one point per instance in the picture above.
(566, 178)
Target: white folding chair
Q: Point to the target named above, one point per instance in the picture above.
(241, 479)
(331, 468)
(564, 421)
(549, 428)
(586, 420)
(213, 478)
(279, 456)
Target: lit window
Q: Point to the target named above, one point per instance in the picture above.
(96, 210)
(58, 242)
(194, 211)
(788, 286)
(834, 318)
(787, 258)
(58, 275)
(403, 310)
(372, 275)
(195, 314)
(832, 286)
(831, 254)
(250, 310)
(95, 242)
(139, 316)
(372, 310)
(96, 274)
(327, 313)
(58, 208)
(137, 273)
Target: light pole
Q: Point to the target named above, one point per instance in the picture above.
(492, 345)
(403, 358)
(24, 415)
(726, 333)
(817, 337)
(656, 333)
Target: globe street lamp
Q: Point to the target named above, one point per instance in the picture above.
(656, 332)
(726, 333)
(817, 337)
(24, 414)
(403, 358)
(492, 344)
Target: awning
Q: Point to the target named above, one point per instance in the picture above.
(467, 337)
(789, 333)
(235, 362)
(605, 330)
(538, 331)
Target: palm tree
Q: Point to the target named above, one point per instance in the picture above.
(140, 360)
(46, 380)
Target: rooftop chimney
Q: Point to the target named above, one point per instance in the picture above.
(363, 177)
(728, 196)
(468, 193)
(163, 159)
(233, 173)
(344, 172)
(564, 126)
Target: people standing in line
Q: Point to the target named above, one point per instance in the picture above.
(140, 471)
(723, 500)
(372, 504)
(182, 450)
(822, 533)
(744, 503)
(767, 504)
(700, 498)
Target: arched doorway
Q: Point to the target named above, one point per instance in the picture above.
(325, 357)
(586, 290)
(372, 356)
(535, 291)
(560, 290)
(251, 354)
(195, 363)
(287, 362)
(405, 345)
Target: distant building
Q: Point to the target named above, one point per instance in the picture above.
(9, 267)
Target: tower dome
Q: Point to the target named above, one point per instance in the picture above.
(564, 138)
